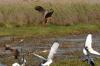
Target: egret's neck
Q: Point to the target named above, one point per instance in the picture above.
(88, 53)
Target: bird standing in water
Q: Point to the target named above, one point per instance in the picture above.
(15, 51)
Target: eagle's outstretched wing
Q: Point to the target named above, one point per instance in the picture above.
(40, 9)
(53, 50)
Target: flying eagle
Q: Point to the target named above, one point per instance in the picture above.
(46, 13)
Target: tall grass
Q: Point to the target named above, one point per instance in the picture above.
(64, 14)
(22, 19)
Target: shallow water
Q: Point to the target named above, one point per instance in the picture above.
(70, 46)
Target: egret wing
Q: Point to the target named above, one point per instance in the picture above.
(84, 51)
(94, 52)
(88, 41)
(88, 44)
(53, 50)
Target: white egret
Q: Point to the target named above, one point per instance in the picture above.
(87, 50)
(88, 44)
(48, 61)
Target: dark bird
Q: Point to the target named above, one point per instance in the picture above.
(88, 58)
(13, 50)
(46, 13)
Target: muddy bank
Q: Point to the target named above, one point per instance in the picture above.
(70, 47)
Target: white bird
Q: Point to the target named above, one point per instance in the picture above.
(88, 44)
(87, 57)
(21, 63)
(48, 61)
(87, 50)
(15, 64)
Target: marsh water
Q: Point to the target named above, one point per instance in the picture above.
(70, 47)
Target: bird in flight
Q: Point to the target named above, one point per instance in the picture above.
(88, 44)
(88, 50)
(46, 13)
(48, 61)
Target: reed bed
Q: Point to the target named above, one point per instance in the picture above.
(23, 14)
(20, 18)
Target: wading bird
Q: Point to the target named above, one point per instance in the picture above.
(46, 13)
(48, 61)
(15, 51)
(88, 50)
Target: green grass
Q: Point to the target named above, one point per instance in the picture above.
(58, 62)
(74, 62)
(50, 30)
